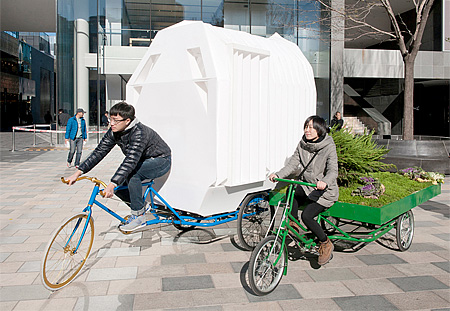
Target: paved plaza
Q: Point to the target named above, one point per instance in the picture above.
(165, 269)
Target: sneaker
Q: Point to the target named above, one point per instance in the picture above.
(134, 222)
(69, 165)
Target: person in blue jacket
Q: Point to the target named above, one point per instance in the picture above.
(76, 134)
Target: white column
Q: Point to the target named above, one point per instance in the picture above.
(81, 88)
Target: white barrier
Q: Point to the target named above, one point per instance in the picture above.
(32, 128)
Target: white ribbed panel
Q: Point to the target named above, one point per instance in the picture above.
(230, 105)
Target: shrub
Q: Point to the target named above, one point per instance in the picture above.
(357, 156)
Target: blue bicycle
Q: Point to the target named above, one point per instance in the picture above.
(70, 245)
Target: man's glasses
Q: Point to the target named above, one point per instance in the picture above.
(114, 121)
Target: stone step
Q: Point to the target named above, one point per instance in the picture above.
(355, 125)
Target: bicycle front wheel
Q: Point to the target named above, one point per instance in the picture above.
(61, 263)
(267, 265)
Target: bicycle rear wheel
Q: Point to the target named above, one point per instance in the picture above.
(254, 219)
(263, 274)
(61, 264)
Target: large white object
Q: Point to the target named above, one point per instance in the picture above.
(230, 105)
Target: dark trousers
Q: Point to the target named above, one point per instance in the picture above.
(149, 169)
(312, 209)
(77, 144)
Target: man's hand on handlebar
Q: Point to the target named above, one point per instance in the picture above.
(73, 178)
(109, 191)
(272, 176)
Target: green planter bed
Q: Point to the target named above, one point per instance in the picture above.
(369, 214)
(383, 214)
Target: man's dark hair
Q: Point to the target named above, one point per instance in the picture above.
(61, 110)
(123, 109)
(319, 125)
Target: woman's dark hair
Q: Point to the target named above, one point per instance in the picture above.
(319, 125)
(123, 109)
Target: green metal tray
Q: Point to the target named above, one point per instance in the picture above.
(369, 214)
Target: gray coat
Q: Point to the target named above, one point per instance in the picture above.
(324, 167)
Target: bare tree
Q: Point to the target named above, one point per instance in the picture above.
(359, 20)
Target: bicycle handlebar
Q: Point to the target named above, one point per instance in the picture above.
(295, 182)
(93, 179)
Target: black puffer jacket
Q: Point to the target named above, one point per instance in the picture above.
(138, 143)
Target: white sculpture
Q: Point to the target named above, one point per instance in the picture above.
(230, 105)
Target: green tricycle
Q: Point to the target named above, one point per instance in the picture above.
(269, 259)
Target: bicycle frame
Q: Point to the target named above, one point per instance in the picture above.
(170, 216)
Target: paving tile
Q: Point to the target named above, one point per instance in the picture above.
(23, 292)
(376, 271)
(36, 215)
(164, 300)
(204, 308)
(182, 259)
(361, 303)
(443, 236)
(282, 292)
(30, 266)
(115, 252)
(444, 294)
(208, 297)
(418, 283)
(417, 269)
(418, 257)
(313, 290)
(444, 265)
(324, 275)
(417, 301)
(208, 268)
(187, 283)
(380, 259)
(7, 305)
(109, 274)
(238, 266)
(261, 306)
(424, 247)
(137, 286)
(309, 304)
(81, 288)
(371, 287)
(110, 302)
(12, 279)
(14, 227)
(4, 256)
(49, 304)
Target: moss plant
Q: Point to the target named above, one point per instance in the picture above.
(397, 187)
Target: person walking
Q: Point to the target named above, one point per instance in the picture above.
(63, 117)
(76, 134)
(316, 158)
(105, 119)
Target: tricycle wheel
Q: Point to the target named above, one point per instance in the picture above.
(405, 230)
(254, 219)
(266, 265)
(329, 229)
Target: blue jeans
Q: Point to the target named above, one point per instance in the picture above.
(149, 169)
(78, 144)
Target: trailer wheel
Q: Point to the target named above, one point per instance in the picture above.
(255, 215)
(405, 230)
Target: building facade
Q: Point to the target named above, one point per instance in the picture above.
(97, 65)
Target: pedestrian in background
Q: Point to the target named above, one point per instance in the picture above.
(76, 134)
(105, 119)
(337, 121)
(63, 117)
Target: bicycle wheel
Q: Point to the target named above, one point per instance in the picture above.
(263, 274)
(405, 230)
(329, 229)
(60, 264)
(254, 219)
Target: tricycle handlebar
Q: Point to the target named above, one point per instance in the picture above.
(295, 182)
(93, 179)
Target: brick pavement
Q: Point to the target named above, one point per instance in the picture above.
(163, 269)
